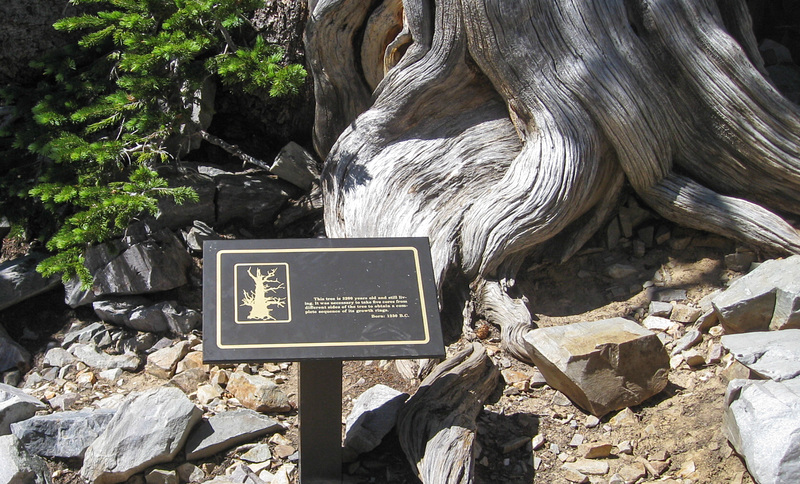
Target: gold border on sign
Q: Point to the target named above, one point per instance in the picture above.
(423, 307)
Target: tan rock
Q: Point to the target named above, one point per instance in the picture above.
(633, 472)
(207, 393)
(603, 365)
(595, 450)
(258, 393)
(189, 380)
(162, 363)
(194, 359)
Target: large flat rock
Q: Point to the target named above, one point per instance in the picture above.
(602, 365)
(771, 354)
(227, 429)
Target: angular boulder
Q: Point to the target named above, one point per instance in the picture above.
(145, 261)
(258, 393)
(142, 315)
(20, 281)
(766, 298)
(149, 428)
(373, 416)
(227, 429)
(64, 435)
(17, 466)
(251, 201)
(89, 355)
(762, 422)
(770, 354)
(16, 405)
(603, 365)
(12, 355)
(295, 165)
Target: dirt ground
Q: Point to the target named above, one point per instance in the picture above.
(677, 432)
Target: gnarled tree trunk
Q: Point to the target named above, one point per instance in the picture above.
(491, 126)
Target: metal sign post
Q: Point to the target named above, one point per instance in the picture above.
(319, 302)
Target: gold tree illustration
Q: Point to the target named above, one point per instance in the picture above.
(260, 300)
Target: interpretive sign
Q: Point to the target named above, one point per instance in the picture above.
(300, 299)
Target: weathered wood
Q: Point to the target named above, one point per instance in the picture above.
(436, 426)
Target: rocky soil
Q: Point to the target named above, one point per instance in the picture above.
(527, 432)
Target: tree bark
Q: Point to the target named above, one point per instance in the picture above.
(491, 126)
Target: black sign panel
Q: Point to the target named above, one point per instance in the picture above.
(307, 299)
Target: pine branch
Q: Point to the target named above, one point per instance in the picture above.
(232, 149)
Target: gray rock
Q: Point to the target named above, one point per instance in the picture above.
(766, 298)
(89, 355)
(227, 429)
(12, 355)
(146, 261)
(198, 233)
(174, 216)
(59, 357)
(250, 201)
(691, 338)
(668, 295)
(771, 354)
(149, 428)
(660, 308)
(20, 281)
(161, 476)
(64, 435)
(621, 271)
(762, 422)
(75, 295)
(94, 333)
(374, 414)
(17, 466)
(16, 405)
(603, 365)
(295, 165)
(142, 315)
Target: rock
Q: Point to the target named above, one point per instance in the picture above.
(207, 393)
(63, 435)
(588, 466)
(198, 233)
(174, 216)
(766, 298)
(16, 405)
(685, 314)
(145, 261)
(660, 308)
(162, 363)
(258, 393)
(193, 359)
(657, 323)
(761, 422)
(740, 261)
(621, 271)
(668, 295)
(20, 281)
(603, 365)
(693, 358)
(188, 472)
(149, 428)
(161, 476)
(374, 414)
(75, 295)
(595, 450)
(250, 201)
(633, 472)
(241, 473)
(92, 333)
(259, 453)
(624, 417)
(774, 354)
(64, 401)
(58, 357)
(295, 165)
(17, 466)
(12, 355)
(537, 442)
(688, 340)
(572, 475)
(774, 53)
(227, 429)
(189, 380)
(142, 315)
(102, 361)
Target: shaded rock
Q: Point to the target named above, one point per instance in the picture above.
(258, 393)
(95, 333)
(145, 261)
(12, 355)
(603, 365)
(75, 295)
(621, 271)
(688, 340)
(250, 201)
(174, 216)
(89, 355)
(227, 429)
(374, 414)
(162, 363)
(766, 298)
(17, 466)
(660, 308)
(148, 429)
(20, 281)
(142, 315)
(198, 233)
(761, 422)
(16, 405)
(64, 435)
(774, 354)
(295, 165)
(161, 476)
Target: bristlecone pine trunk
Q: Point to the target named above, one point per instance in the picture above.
(492, 126)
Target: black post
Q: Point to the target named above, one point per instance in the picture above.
(320, 412)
